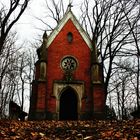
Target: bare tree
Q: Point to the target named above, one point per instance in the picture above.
(122, 87)
(26, 71)
(9, 16)
(8, 73)
(108, 26)
(135, 32)
(54, 11)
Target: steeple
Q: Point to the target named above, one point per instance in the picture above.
(41, 51)
(94, 52)
(95, 69)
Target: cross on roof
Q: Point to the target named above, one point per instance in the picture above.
(70, 5)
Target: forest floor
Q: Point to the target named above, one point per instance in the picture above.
(70, 130)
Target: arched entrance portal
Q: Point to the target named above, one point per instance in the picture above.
(68, 105)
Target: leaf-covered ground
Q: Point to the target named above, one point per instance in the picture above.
(70, 130)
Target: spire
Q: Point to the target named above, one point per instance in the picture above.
(94, 52)
(44, 35)
(45, 38)
(95, 74)
(41, 51)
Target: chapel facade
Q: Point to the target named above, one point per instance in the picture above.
(68, 82)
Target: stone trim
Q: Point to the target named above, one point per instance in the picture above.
(60, 86)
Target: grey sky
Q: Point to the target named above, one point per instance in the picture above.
(28, 24)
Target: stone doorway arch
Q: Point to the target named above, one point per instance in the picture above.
(60, 87)
(68, 105)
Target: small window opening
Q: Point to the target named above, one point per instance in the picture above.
(70, 37)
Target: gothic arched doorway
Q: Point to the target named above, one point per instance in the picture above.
(68, 105)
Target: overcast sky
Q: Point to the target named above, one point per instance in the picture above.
(28, 24)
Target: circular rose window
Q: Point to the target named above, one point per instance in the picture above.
(68, 63)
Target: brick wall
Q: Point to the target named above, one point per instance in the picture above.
(59, 48)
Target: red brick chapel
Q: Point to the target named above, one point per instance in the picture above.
(68, 82)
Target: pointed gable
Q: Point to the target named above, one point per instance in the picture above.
(69, 15)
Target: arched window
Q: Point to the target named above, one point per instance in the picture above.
(70, 37)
